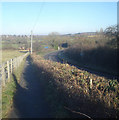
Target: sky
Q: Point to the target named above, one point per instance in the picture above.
(62, 17)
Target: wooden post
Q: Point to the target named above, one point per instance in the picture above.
(3, 75)
(11, 66)
(8, 71)
(91, 83)
(14, 64)
(31, 42)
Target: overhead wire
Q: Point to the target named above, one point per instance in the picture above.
(37, 19)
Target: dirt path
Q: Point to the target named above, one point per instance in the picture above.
(28, 100)
(54, 56)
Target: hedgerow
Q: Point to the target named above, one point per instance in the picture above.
(99, 99)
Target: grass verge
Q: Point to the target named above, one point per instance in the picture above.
(9, 90)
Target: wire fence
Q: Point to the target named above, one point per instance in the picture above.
(7, 68)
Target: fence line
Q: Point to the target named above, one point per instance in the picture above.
(7, 68)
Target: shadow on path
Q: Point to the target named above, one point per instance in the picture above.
(28, 101)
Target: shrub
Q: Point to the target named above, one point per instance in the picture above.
(71, 87)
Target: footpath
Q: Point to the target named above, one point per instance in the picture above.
(28, 101)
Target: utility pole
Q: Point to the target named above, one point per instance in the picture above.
(31, 41)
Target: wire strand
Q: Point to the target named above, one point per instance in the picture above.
(41, 8)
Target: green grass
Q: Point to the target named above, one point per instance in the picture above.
(9, 54)
(9, 90)
(7, 96)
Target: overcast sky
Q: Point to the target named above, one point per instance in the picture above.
(62, 17)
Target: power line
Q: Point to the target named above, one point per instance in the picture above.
(35, 25)
(41, 8)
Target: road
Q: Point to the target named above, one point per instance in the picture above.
(28, 101)
(54, 57)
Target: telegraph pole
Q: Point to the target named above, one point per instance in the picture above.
(31, 41)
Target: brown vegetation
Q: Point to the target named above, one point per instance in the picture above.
(71, 88)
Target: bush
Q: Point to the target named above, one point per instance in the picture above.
(71, 87)
(100, 54)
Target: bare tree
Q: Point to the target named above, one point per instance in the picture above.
(111, 30)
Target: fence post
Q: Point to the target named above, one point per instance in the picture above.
(15, 63)
(91, 83)
(11, 66)
(3, 75)
(8, 71)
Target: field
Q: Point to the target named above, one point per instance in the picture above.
(9, 54)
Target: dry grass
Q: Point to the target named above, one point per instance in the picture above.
(73, 87)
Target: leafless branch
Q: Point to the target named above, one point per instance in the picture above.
(78, 113)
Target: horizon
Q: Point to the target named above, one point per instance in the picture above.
(44, 34)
